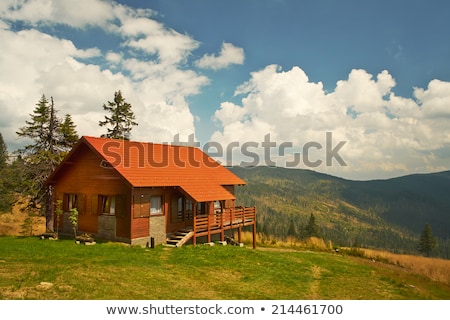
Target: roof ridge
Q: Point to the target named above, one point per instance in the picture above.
(170, 144)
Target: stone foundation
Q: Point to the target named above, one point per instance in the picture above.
(158, 229)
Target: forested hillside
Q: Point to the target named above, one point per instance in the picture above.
(386, 214)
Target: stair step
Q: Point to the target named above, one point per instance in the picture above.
(177, 235)
(180, 237)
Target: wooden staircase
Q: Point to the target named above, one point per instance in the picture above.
(178, 238)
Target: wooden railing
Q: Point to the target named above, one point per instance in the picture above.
(229, 218)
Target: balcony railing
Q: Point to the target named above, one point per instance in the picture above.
(229, 218)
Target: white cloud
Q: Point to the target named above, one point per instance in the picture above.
(170, 46)
(88, 53)
(229, 54)
(76, 13)
(229, 113)
(363, 93)
(384, 134)
(35, 62)
(435, 99)
(114, 57)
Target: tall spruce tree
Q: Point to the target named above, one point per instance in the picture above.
(311, 228)
(69, 133)
(12, 183)
(120, 120)
(427, 242)
(291, 230)
(3, 153)
(48, 146)
(5, 191)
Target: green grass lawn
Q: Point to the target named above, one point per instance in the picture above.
(119, 272)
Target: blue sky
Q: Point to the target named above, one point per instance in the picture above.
(327, 39)
(374, 74)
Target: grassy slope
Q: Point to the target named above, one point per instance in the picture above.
(114, 271)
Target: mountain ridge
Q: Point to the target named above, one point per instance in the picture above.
(383, 213)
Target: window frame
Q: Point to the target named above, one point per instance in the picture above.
(107, 204)
(219, 208)
(188, 209)
(70, 201)
(202, 208)
(161, 206)
(180, 208)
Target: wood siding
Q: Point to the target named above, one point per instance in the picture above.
(140, 209)
(230, 203)
(85, 176)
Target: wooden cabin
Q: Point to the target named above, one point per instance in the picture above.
(147, 193)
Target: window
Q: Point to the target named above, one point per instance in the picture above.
(189, 210)
(156, 205)
(111, 205)
(146, 205)
(69, 202)
(107, 205)
(201, 208)
(180, 209)
(217, 206)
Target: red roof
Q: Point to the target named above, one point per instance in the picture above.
(158, 165)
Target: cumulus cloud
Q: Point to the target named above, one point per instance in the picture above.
(34, 63)
(76, 13)
(229, 54)
(114, 57)
(373, 131)
(229, 113)
(147, 65)
(435, 99)
(152, 37)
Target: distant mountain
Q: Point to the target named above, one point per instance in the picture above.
(386, 214)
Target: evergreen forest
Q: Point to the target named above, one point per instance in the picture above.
(384, 214)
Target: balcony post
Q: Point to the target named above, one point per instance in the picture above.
(254, 228)
(209, 227)
(194, 238)
(222, 227)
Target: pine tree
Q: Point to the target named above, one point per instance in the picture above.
(6, 194)
(427, 242)
(291, 231)
(12, 183)
(311, 228)
(121, 119)
(69, 133)
(47, 148)
(37, 129)
(3, 153)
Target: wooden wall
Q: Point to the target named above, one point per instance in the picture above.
(85, 176)
(140, 211)
(230, 203)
